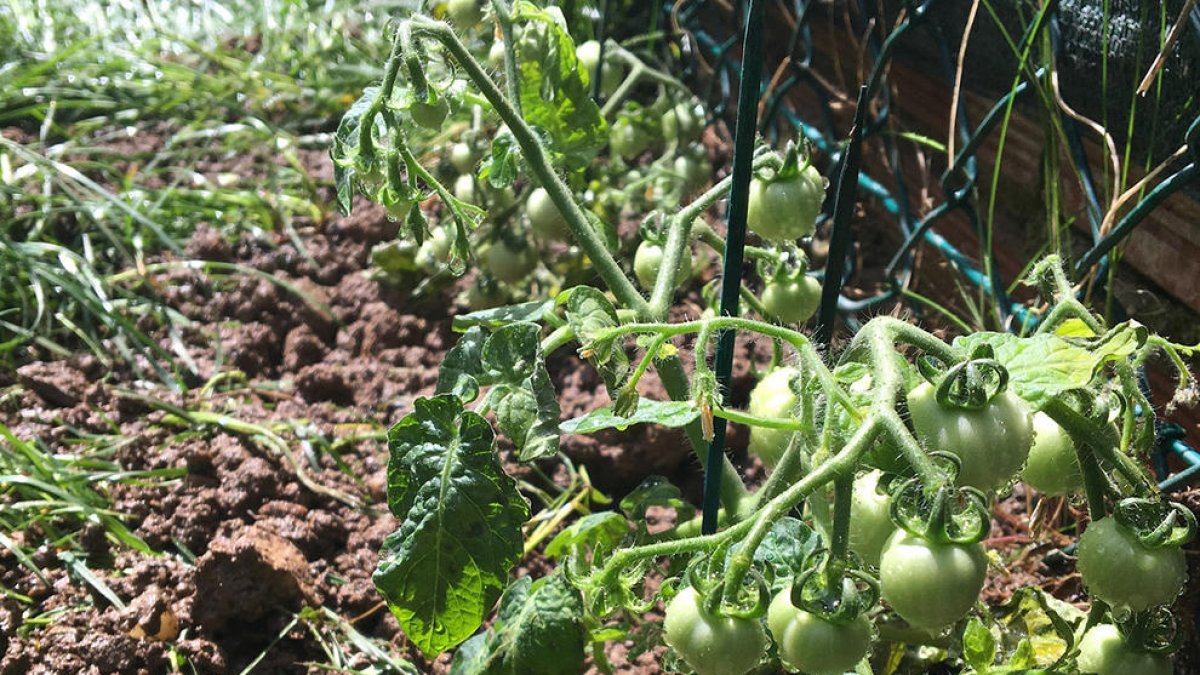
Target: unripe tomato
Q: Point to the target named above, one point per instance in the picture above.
(811, 644)
(430, 115)
(435, 249)
(464, 188)
(792, 300)
(695, 170)
(611, 76)
(930, 585)
(647, 261)
(772, 397)
(684, 123)
(509, 263)
(1103, 651)
(787, 209)
(1118, 569)
(992, 442)
(870, 518)
(463, 158)
(627, 139)
(485, 293)
(712, 644)
(545, 218)
(1053, 465)
(465, 13)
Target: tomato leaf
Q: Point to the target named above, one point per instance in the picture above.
(553, 91)
(345, 152)
(1043, 366)
(538, 630)
(655, 491)
(500, 168)
(461, 519)
(501, 316)
(599, 531)
(979, 646)
(667, 413)
(509, 360)
(589, 313)
(785, 549)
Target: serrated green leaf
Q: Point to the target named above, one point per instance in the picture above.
(589, 312)
(538, 631)
(655, 491)
(345, 151)
(785, 549)
(596, 531)
(667, 413)
(501, 167)
(509, 360)
(1043, 366)
(461, 519)
(979, 646)
(502, 316)
(553, 91)
(463, 366)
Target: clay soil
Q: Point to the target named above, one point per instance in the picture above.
(238, 544)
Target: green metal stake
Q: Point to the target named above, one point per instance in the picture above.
(743, 157)
(839, 240)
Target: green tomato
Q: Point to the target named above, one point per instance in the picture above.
(870, 518)
(772, 397)
(647, 261)
(712, 644)
(545, 218)
(1053, 466)
(683, 123)
(430, 115)
(1119, 570)
(930, 585)
(792, 301)
(464, 188)
(463, 158)
(785, 210)
(695, 170)
(627, 139)
(992, 442)
(611, 76)
(1103, 651)
(812, 644)
(464, 13)
(508, 263)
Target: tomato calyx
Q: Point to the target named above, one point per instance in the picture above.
(708, 578)
(1154, 631)
(1157, 523)
(968, 385)
(948, 514)
(835, 590)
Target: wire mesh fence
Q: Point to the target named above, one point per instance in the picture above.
(818, 56)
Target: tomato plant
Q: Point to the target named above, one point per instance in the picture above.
(1120, 569)
(812, 644)
(992, 440)
(930, 584)
(647, 262)
(791, 298)
(772, 397)
(785, 206)
(710, 643)
(866, 466)
(1104, 651)
(1052, 467)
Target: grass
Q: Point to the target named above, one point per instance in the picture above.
(128, 124)
(125, 124)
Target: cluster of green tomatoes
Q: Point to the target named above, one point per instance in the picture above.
(927, 572)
